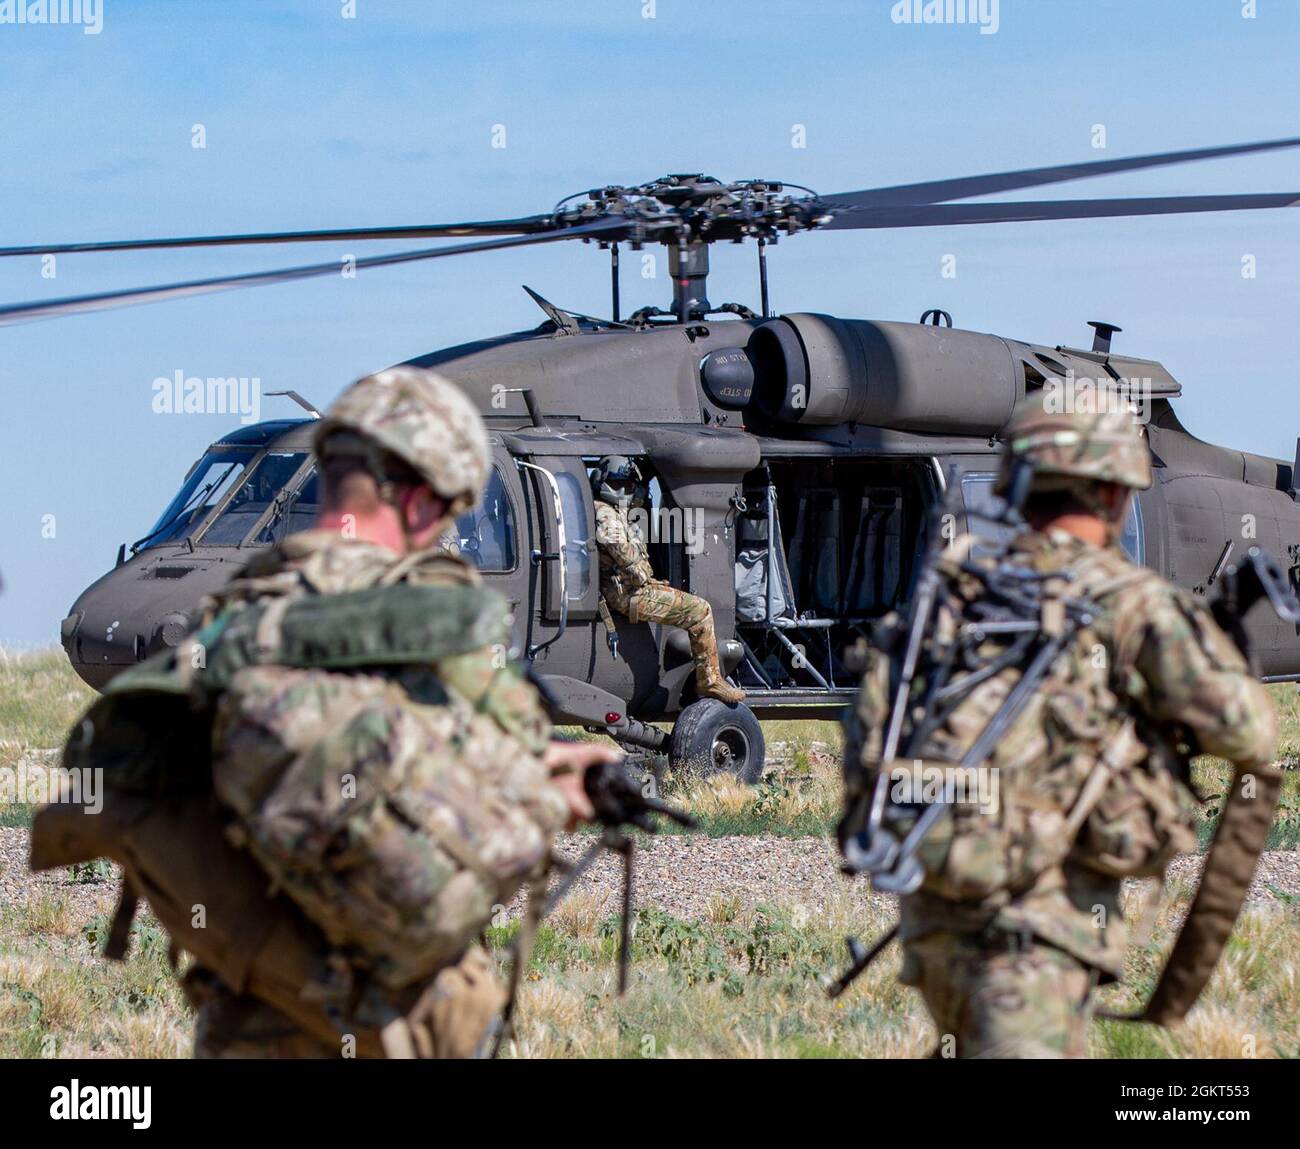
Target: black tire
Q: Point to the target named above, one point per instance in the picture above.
(711, 737)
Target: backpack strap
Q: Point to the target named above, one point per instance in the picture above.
(270, 628)
(1123, 748)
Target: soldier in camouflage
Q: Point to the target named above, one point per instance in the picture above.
(628, 585)
(1018, 919)
(401, 453)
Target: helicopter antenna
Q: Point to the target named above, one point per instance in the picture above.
(565, 324)
(764, 309)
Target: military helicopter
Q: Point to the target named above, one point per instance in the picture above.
(795, 459)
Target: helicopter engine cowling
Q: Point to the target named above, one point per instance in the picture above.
(819, 370)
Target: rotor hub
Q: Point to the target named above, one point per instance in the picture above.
(697, 209)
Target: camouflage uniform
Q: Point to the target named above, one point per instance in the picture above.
(629, 587)
(1019, 917)
(431, 427)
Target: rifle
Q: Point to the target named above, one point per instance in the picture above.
(1013, 609)
(620, 803)
(1243, 584)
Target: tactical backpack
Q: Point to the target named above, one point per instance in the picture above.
(1068, 776)
(345, 783)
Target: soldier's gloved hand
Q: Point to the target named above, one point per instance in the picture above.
(568, 762)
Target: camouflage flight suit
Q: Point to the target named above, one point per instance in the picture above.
(1008, 972)
(629, 588)
(468, 997)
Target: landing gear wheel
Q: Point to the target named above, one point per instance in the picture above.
(712, 737)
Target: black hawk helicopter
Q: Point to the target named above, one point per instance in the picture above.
(796, 459)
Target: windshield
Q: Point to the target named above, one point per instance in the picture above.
(211, 478)
(485, 536)
(297, 514)
(256, 493)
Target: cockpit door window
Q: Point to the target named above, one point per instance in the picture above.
(575, 497)
(983, 506)
(1133, 537)
(568, 502)
(485, 536)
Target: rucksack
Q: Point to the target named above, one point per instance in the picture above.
(1074, 778)
(379, 765)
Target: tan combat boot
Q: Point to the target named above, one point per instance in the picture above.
(709, 681)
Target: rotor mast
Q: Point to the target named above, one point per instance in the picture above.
(688, 264)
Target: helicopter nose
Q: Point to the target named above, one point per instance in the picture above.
(99, 647)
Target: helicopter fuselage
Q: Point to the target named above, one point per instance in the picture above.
(796, 463)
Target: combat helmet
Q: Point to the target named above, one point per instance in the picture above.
(617, 479)
(1075, 448)
(420, 418)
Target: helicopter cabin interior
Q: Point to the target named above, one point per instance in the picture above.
(824, 547)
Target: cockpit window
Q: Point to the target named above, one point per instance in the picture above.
(208, 483)
(574, 495)
(297, 514)
(260, 488)
(486, 535)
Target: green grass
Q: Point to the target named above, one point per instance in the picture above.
(60, 998)
(40, 698)
(799, 794)
(743, 982)
(17, 815)
(747, 982)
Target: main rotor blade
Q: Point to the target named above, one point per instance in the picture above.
(105, 300)
(528, 225)
(937, 191)
(947, 214)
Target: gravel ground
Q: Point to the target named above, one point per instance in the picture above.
(681, 874)
(684, 874)
(88, 896)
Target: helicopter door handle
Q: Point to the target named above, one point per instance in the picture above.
(556, 556)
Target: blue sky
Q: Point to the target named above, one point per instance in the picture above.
(317, 120)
